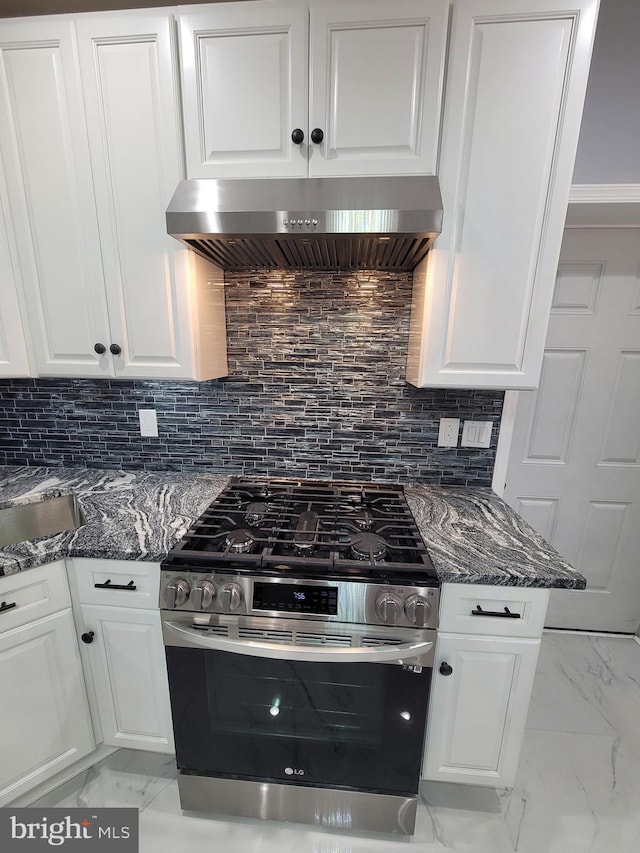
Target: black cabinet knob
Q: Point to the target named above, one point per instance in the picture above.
(317, 135)
(88, 637)
(445, 669)
(297, 136)
(114, 349)
(100, 349)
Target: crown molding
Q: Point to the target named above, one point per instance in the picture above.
(604, 194)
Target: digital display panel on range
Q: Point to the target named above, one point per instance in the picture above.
(295, 598)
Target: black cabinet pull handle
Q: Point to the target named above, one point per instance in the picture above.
(503, 614)
(317, 135)
(130, 587)
(297, 136)
(114, 349)
(88, 637)
(445, 668)
(4, 606)
(100, 349)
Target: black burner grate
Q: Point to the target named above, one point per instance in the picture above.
(307, 528)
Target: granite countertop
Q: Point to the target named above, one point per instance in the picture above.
(471, 534)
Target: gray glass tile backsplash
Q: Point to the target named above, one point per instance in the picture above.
(315, 389)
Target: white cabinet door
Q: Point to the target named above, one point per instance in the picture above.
(478, 712)
(516, 83)
(43, 144)
(244, 90)
(126, 660)
(375, 86)
(130, 85)
(14, 360)
(45, 715)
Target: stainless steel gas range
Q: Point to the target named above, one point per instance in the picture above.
(299, 620)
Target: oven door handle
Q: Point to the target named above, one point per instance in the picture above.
(403, 653)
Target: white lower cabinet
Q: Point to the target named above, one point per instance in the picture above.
(485, 663)
(46, 725)
(117, 615)
(126, 662)
(478, 708)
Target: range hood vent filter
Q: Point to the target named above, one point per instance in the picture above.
(385, 223)
(284, 252)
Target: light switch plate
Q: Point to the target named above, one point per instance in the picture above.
(448, 432)
(148, 422)
(476, 434)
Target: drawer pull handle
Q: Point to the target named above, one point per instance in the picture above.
(503, 614)
(130, 587)
(4, 606)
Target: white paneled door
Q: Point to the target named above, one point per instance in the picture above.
(574, 467)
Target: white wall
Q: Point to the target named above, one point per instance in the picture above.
(609, 146)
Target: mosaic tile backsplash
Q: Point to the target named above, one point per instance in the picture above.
(316, 389)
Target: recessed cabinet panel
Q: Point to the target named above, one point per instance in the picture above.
(43, 144)
(517, 77)
(512, 140)
(375, 86)
(245, 90)
(478, 711)
(44, 704)
(130, 678)
(13, 351)
(128, 71)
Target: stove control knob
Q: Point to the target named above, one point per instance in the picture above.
(176, 593)
(388, 608)
(230, 597)
(202, 595)
(417, 610)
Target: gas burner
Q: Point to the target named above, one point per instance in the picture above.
(240, 541)
(363, 519)
(256, 511)
(368, 546)
(305, 537)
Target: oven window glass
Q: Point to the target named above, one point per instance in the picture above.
(277, 699)
(355, 725)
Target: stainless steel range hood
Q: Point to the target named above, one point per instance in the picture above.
(314, 223)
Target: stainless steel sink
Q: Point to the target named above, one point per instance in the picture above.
(44, 518)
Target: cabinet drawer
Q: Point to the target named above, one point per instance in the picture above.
(480, 609)
(121, 583)
(35, 593)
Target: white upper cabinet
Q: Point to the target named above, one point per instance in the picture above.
(366, 101)
(375, 86)
(516, 84)
(91, 137)
(43, 144)
(14, 360)
(129, 80)
(244, 90)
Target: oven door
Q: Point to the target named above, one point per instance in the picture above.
(290, 713)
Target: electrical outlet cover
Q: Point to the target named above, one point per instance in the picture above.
(148, 422)
(448, 432)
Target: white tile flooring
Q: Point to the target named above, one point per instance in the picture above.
(578, 786)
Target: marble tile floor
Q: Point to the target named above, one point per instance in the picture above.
(577, 791)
